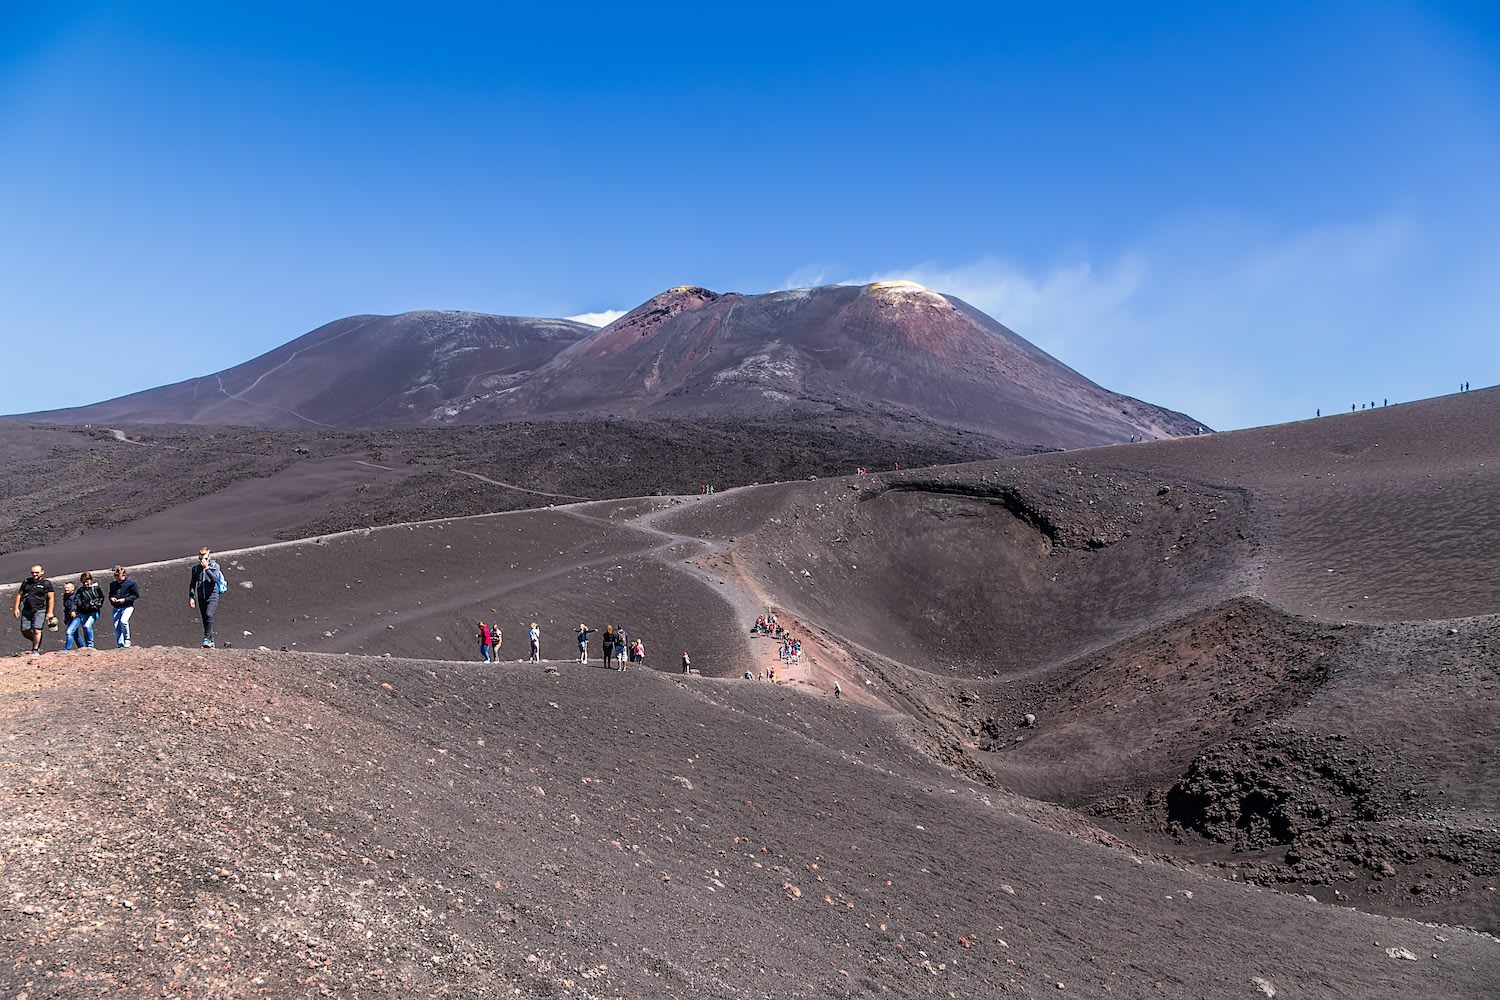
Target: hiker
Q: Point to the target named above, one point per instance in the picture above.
(90, 602)
(583, 641)
(687, 664)
(838, 691)
(495, 641)
(1320, 411)
(535, 634)
(622, 645)
(205, 584)
(123, 593)
(35, 607)
(638, 652)
(611, 651)
(485, 645)
(70, 614)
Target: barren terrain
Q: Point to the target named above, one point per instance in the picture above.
(1259, 669)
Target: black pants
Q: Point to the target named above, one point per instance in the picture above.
(206, 608)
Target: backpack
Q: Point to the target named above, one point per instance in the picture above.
(223, 584)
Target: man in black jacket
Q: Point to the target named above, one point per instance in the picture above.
(203, 592)
(35, 606)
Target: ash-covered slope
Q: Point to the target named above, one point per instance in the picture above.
(877, 358)
(363, 371)
(894, 348)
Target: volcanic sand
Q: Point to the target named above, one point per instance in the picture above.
(1204, 688)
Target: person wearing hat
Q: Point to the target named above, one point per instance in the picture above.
(35, 607)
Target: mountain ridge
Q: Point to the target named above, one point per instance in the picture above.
(885, 351)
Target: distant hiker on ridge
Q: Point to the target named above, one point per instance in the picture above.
(34, 607)
(583, 641)
(484, 642)
(610, 640)
(535, 634)
(687, 663)
(205, 584)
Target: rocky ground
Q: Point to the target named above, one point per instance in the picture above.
(1200, 718)
(225, 823)
(113, 495)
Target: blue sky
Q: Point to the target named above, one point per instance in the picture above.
(1241, 211)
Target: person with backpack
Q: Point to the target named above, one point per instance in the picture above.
(485, 645)
(535, 635)
(36, 607)
(90, 603)
(205, 584)
(495, 641)
(123, 593)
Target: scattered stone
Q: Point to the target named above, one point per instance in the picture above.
(247, 584)
(1028, 720)
(1400, 953)
(1264, 985)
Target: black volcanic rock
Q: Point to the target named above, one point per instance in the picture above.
(894, 346)
(364, 371)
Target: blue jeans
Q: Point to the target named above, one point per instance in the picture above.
(484, 652)
(86, 628)
(71, 639)
(122, 625)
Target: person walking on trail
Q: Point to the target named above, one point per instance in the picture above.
(838, 691)
(583, 642)
(485, 645)
(495, 641)
(205, 584)
(638, 652)
(123, 593)
(35, 607)
(535, 634)
(687, 662)
(70, 614)
(90, 603)
(612, 650)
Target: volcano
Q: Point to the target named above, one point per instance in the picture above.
(889, 354)
(897, 347)
(410, 369)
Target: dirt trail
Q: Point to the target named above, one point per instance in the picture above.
(518, 489)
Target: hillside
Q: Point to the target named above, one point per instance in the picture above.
(880, 359)
(363, 371)
(894, 346)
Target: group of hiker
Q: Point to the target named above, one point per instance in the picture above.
(37, 607)
(618, 647)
